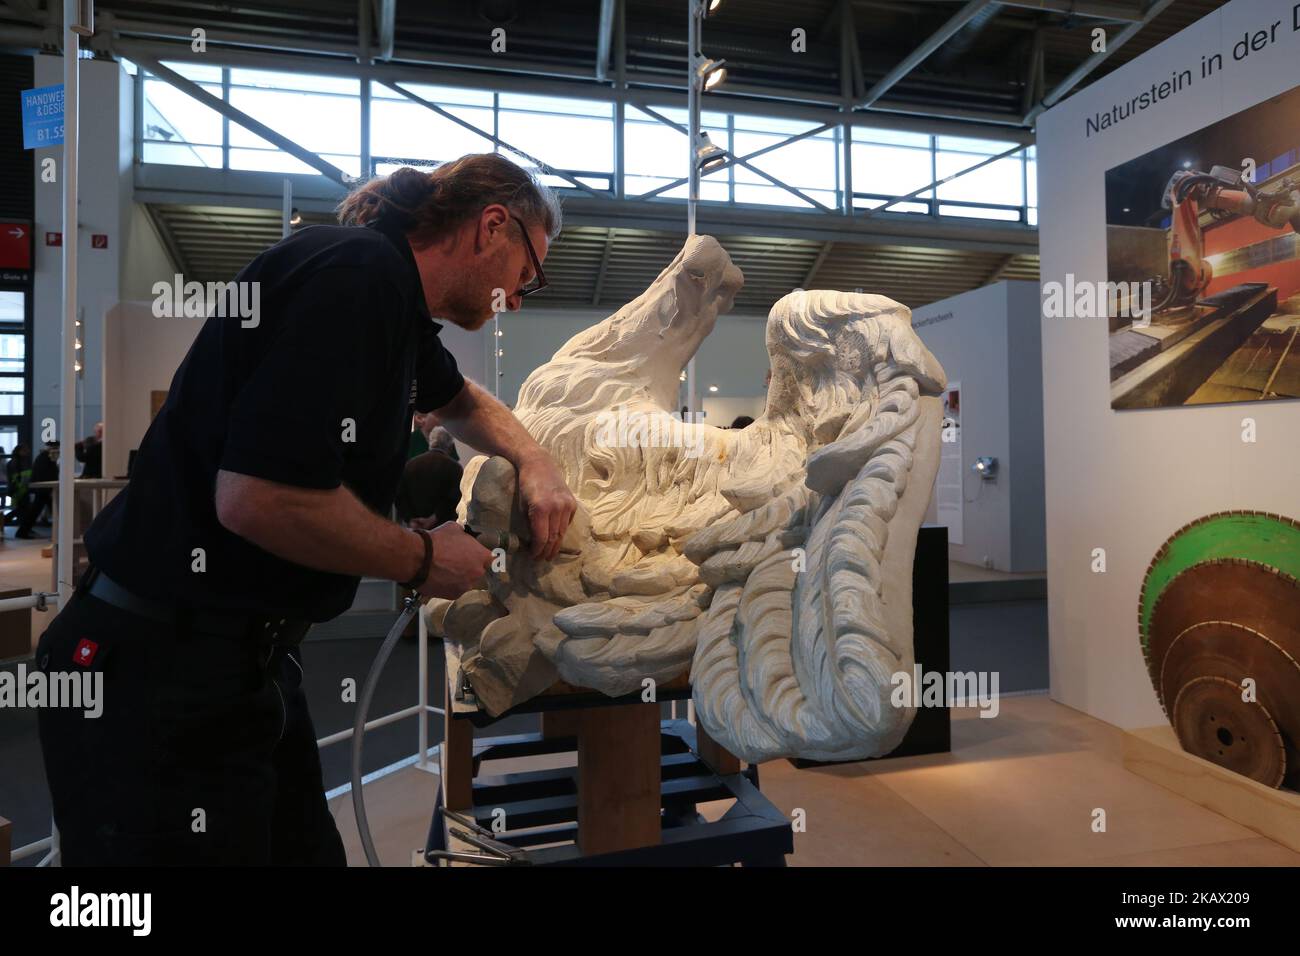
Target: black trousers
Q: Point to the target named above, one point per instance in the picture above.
(204, 752)
(36, 502)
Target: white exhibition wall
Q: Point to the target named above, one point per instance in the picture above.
(733, 357)
(141, 354)
(104, 201)
(1123, 481)
(988, 340)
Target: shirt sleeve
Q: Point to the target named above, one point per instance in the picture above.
(438, 378)
(316, 376)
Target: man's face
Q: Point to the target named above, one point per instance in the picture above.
(495, 266)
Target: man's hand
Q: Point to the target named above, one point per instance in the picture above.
(548, 501)
(459, 562)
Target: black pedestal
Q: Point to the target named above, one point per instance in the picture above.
(930, 732)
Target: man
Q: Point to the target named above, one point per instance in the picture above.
(44, 468)
(90, 452)
(18, 472)
(255, 506)
(429, 492)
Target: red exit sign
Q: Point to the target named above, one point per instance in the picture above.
(15, 245)
(54, 238)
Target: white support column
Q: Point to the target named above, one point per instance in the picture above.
(692, 169)
(67, 431)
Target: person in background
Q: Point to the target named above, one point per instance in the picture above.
(429, 491)
(428, 433)
(44, 468)
(742, 421)
(18, 473)
(90, 452)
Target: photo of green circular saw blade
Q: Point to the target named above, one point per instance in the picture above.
(1221, 602)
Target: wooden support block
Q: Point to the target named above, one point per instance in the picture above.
(6, 841)
(618, 778)
(457, 757)
(720, 761)
(15, 626)
(561, 723)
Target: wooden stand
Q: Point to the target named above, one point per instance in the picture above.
(618, 778)
(457, 757)
(15, 626)
(632, 798)
(618, 771)
(1154, 753)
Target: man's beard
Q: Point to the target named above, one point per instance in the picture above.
(469, 303)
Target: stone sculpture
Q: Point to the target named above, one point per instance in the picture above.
(773, 563)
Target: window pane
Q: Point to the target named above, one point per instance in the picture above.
(998, 182)
(277, 161)
(809, 162)
(555, 104)
(653, 149)
(708, 118)
(12, 401)
(198, 72)
(181, 155)
(442, 95)
(869, 134)
(977, 212)
(11, 306)
(170, 115)
(891, 170)
(323, 124)
(985, 147)
(773, 124)
(564, 142)
(13, 350)
(711, 188)
(409, 131)
(920, 207)
(776, 196)
(276, 80)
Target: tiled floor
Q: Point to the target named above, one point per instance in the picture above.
(1020, 788)
(21, 566)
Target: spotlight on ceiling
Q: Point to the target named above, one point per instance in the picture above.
(708, 155)
(711, 7)
(711, 74)
(295, 218)
(713, 388)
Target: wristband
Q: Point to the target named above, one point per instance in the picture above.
(426, 565)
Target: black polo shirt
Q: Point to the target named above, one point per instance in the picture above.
(317, 394)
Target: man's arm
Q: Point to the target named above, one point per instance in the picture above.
(481, 421)
(331, 530)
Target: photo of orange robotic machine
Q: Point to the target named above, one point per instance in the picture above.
(1216, 256)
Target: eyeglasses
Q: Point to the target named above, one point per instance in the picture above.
(538, 282)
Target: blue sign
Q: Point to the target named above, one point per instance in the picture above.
(43, 117)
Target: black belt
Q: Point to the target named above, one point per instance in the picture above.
(279, 630)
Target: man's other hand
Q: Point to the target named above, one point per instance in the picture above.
(549, 503)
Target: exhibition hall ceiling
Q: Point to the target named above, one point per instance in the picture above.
(595, 267)
(980, 71)
(984, 77)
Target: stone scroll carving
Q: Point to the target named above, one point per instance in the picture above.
(772, 563)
